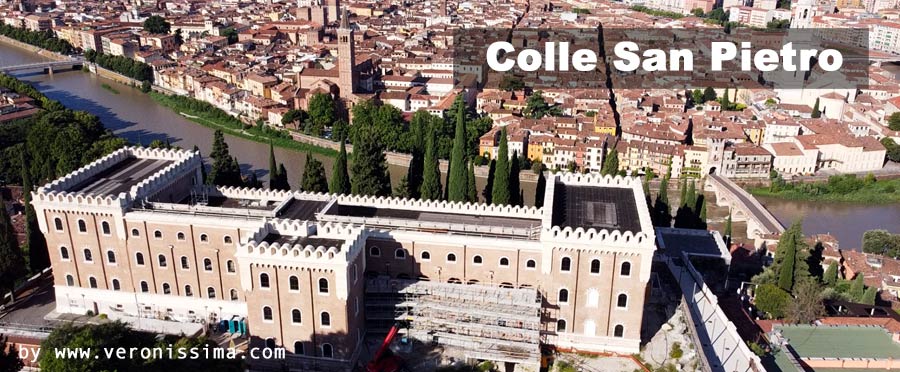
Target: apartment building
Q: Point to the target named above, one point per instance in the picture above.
(137, 233)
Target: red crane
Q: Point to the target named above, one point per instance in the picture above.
(385, 360)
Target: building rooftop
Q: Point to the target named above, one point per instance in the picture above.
(120, 177)
(441, 217)
(840, 341)
(597, 207)
(693, 242)
(299, 209)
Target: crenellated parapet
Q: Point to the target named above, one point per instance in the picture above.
(181, 167)
(85, 173)
(353, 238)
(440, 206)
(597, 179)
(614, 238)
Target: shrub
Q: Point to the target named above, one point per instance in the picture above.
(772, 300)
(676, 352)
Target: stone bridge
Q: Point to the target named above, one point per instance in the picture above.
(744, 207)
(46, 67)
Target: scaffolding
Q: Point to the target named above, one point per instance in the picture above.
(487, 323)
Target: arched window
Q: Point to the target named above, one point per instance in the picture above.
(227, 239)
(375, 252)
(561, 325)
(104, 227)
(267, 313)
(57, 222)
(622, 300)
(64, 253)
(294, 283)
(179, 235)
(504, 261)
(323, 285)
(400, 253)
(111, 257)
(229, 265)
(595, 266)
(210, 292)
(530, 264)
(565, 264)
(451, 257)
(139, 259)
(626, 269)
(619, 331)
(157, 234)
(327, 351)
(167, 289)
(477, 260)
(326, 319)
(295, 316)
(92, 281)
(135, 232)
(426, 256)
(563, 296)
(207, 264)
(185, 263)
(115, 285)
(162, 260)
(204, 238)
(70, 280)
(88, 256)
(82, 226)
(188, 291)
(264, 280)
(234, 294)
(144, 287)
(298, 347)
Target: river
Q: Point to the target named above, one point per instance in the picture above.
(134, 116)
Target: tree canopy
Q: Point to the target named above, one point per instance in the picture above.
(314, 176)
(157, 25)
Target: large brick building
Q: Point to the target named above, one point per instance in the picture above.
(137, 233)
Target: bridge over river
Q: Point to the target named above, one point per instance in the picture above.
(744, 207)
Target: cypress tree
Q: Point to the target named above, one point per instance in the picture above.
(340, 178)
(225, 169)
(488, 191)
(611, 164)
(831, 274)
(252, 182)
(786, 271)
(682, 189)
(661, 209)
(431, 177)
(815, 110)
(36, 245)
(370, 173)
(12, 263)
(726, 101)
(418, 129)
(456, 184)
(471, 189)
(313, 176)
(500, 188)
(515, 189)
(402, 189)
(691, 192)
(540, 190)
(283, 183)
(858, 288)
(869, 296)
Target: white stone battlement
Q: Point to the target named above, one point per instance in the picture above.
(353, 238)
(55, 192)
(592, 236)
(84, 173)
(442, 206)
(597, 179)
(248, 193)
(166, 176)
